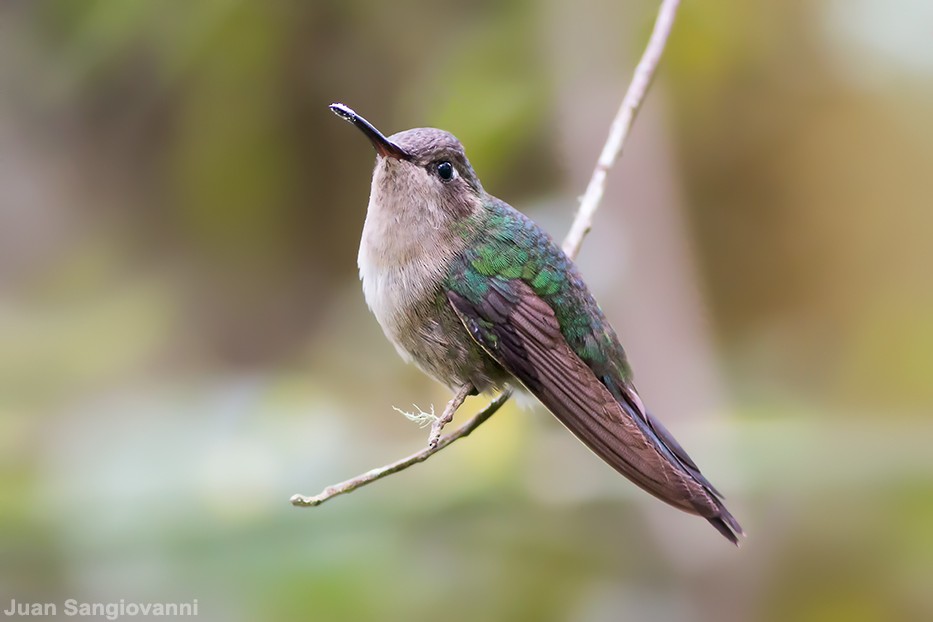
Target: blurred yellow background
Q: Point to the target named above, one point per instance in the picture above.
(184, 343)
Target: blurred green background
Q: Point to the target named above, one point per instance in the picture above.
(184, 343)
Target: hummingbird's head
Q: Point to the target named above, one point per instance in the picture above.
(423, 169)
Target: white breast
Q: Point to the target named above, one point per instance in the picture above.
(400, 265)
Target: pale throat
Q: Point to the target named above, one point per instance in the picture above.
(405, 221)
(406, 247)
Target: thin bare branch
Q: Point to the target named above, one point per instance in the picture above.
(378, 473)
(618, 131)
(582, 223)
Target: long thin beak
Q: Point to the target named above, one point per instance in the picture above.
(383, 145)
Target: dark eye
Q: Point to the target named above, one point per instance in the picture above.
(445, 170)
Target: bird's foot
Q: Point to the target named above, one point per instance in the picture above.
(436, 428)
(448, 414)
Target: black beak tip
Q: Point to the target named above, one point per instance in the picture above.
(344, 112)
(384, 147)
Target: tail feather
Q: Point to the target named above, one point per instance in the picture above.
(708, 502)
(727, 527)
(722, 520)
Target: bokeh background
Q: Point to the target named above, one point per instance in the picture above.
(184, 343)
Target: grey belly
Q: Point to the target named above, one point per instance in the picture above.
(441, 346)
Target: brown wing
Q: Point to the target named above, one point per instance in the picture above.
(520, 331)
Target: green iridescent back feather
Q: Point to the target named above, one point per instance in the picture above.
(503, 245)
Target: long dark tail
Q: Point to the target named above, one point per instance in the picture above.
(724, 522)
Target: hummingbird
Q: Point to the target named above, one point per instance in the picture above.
(480, 297)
